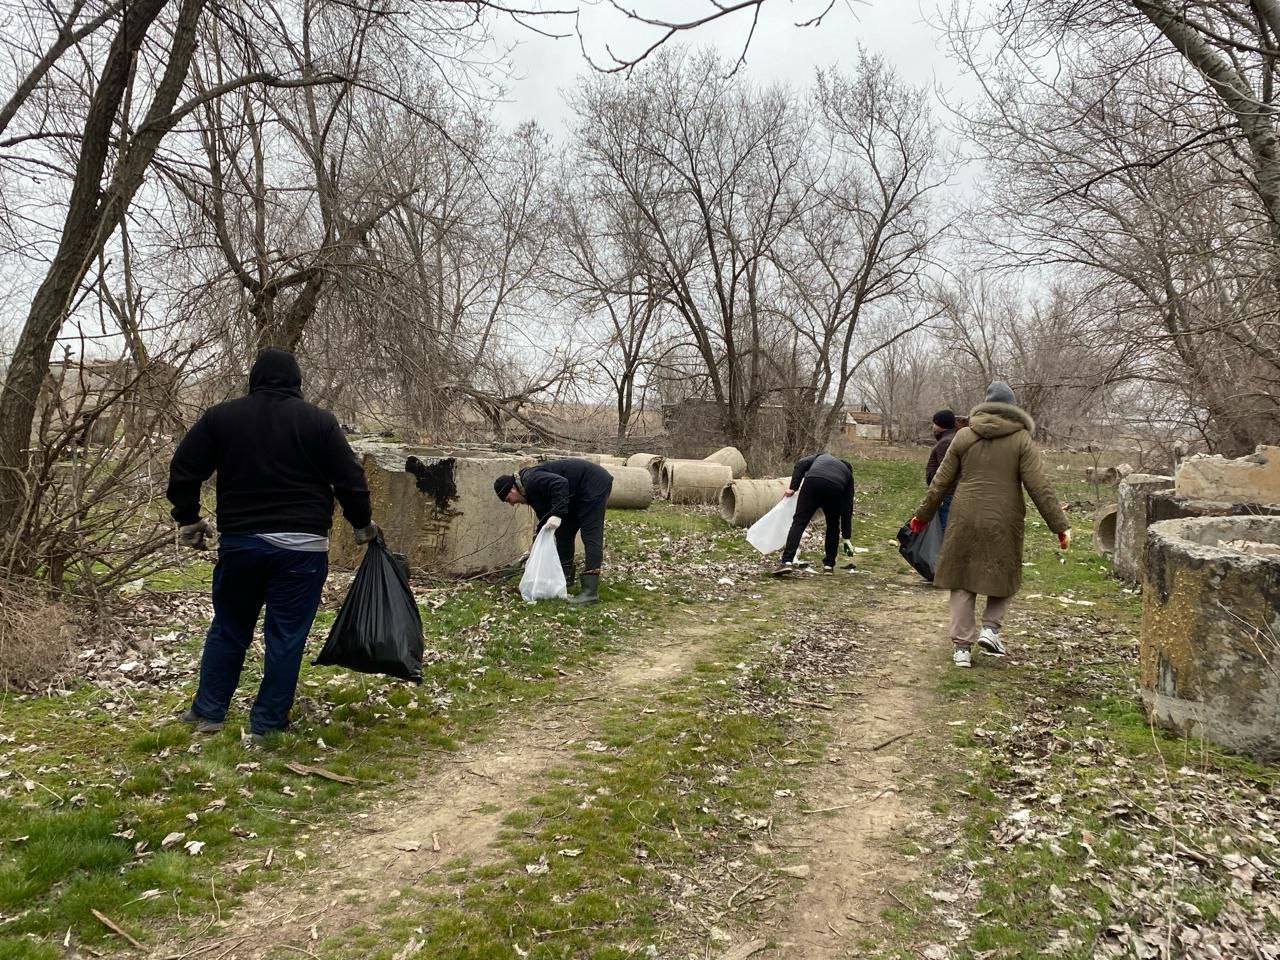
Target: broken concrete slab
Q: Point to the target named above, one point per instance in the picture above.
(445, 520)
(1251, 479)
(1210, 644)
(1131, 522)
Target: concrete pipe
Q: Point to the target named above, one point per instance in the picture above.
(608, 460)
(650, 461)
(731, 457)
(632, 488)
(1209, 614)
(743, 502)
(1104, 531)
(664, 469)
(695, 481)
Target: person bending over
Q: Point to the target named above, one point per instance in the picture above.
(823, 483)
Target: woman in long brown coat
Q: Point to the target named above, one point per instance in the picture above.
(986, 468)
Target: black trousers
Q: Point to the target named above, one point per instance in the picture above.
(816, 494)
(587, 519)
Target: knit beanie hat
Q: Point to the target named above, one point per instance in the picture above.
(1000, 392)
(945, 419)
(503, 484)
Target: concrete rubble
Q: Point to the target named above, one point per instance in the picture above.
(446, 522)
(1252, 479)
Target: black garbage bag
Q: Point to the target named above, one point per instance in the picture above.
(378, 629)
(922, 549)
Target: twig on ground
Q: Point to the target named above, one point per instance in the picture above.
(116, 928)
(881, 746)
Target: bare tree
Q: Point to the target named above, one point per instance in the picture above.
(1116, 133)
(863, 242)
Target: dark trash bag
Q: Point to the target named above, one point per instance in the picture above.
(922, 549)
(378, 629)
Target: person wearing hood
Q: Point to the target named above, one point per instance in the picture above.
(985, 470)
(280, 463)
(821, 482)
(569, 496)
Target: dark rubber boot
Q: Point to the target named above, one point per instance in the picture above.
(590, 589)
(570, 574)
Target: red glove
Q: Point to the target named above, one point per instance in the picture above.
(916, 524)
(1064, 539)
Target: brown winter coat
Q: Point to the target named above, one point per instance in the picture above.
(989, 463)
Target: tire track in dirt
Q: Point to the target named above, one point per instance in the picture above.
(455, 810)
(859, 805)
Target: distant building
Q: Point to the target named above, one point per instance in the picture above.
(863, 424)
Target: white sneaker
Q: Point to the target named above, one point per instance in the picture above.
(962, 657)
(989, 641)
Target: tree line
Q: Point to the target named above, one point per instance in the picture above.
(183, 183)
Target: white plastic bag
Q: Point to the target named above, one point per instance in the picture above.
(769, 533)
(543, 577)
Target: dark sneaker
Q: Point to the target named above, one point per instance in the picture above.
(784, 570)
(826, 569)
(989, 641)
(199, 723)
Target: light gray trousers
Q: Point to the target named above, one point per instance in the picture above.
(964, 627)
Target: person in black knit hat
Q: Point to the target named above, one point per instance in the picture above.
(944, 431)
(570, 496)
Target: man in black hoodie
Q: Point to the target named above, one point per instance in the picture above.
(280, 462)
(824, 483)
(570, 496)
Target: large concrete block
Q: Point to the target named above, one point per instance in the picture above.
(1131, 522)
(1210, 650)
(447, 522)
(1251, 479)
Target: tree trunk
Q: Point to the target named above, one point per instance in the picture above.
(93, 214)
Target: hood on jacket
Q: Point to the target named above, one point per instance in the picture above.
(276, 370)
(993, 420)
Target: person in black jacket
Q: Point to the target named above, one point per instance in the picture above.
(570, 496)
(280, 463)
(944, 431)
(824, 483)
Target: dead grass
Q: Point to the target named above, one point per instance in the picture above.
(35, 636)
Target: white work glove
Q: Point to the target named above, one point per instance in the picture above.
(553, 522)
(367, 534)
(193, 535)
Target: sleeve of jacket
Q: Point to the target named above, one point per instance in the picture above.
(801, 468)
(346, 475)
(935, 461)
(193, 463)
(547, 487)
(1034, 478)
(943, 481)
(846, 514)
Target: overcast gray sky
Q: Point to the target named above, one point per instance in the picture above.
(779, 51)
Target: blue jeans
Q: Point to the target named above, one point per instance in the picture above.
(943, 510)
(252, 573)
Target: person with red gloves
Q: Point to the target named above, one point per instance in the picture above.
(984, 472)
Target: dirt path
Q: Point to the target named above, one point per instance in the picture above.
(456, 809)
(867, 786)
(453, 810)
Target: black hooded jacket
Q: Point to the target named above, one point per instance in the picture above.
(557, 487)
(280, 460)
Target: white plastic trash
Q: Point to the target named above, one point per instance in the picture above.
(543, 577)
(769, 533)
